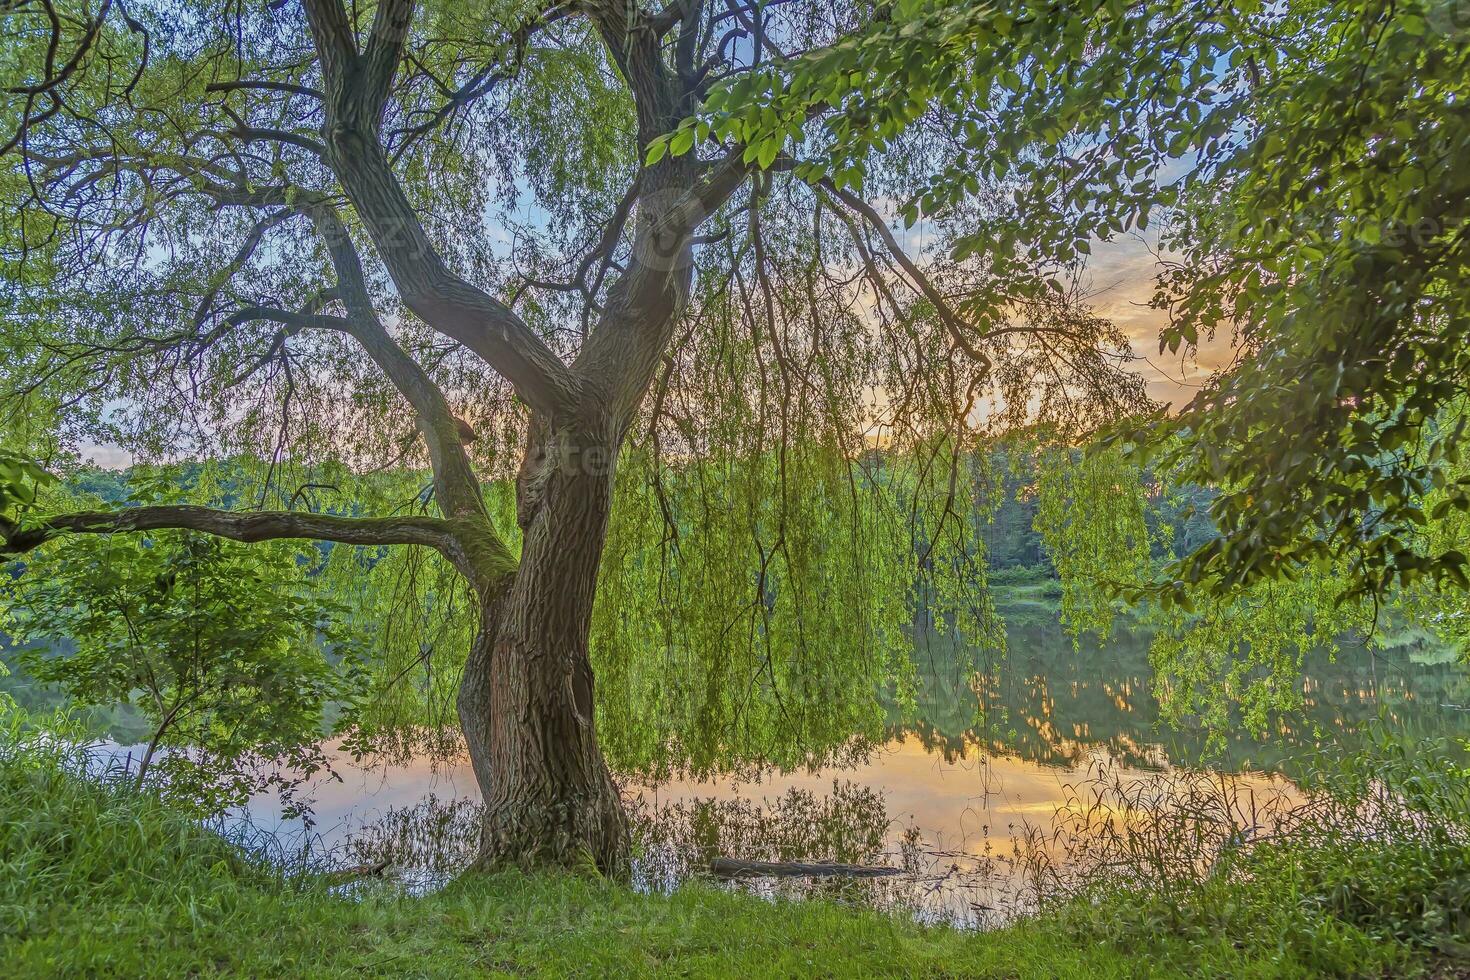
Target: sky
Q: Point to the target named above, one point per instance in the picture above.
(1120, 283)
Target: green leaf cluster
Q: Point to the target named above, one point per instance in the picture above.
(227, 649)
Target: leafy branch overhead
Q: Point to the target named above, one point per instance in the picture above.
(1305, 160)
(21, 480)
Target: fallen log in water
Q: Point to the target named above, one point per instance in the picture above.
(723, 867)
(344, 875)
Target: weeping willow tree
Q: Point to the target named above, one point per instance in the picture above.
(702, 418)
(1304, 159)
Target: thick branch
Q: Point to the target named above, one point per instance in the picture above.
(263, 526)
(332, 32)
(673, 12)
(455, 484)
(265, 134)
(293, 320)
(635, 50)
(440, 298)
(263, 85)
(384, 52)
(724, 178)
(622, 355)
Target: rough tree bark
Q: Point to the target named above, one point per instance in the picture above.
(527, 702)
(527, 699)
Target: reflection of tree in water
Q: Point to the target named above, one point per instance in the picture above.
(438, 837)
(1042, 701)
(1046, 702)
(847, 826)
(426, 844)
(1112, 817)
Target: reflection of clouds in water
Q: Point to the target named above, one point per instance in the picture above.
(975, 835)
(960, 829)
(955, 799)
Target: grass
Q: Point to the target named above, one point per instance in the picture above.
(96, 880)
(1028, 604)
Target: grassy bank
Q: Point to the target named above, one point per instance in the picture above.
(102, 880)
(95, 880)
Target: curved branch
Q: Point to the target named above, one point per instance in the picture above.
(263, 85)
(265, 134)
(242, 255)
(455, 484)
(951, 320)
(438, 296)
(54, 78)
(290, 319)
(262, 526)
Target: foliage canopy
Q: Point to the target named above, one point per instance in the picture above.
(1305, 160)
(683, 222)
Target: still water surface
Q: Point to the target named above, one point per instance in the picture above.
(963, 794)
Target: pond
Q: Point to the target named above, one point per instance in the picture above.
(988, 791)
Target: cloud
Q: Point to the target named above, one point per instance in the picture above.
(108, 457)
(1120, 277)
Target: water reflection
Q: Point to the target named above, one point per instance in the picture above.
(1048, 703)
(963, 795)
(423, 844)
(975, 835)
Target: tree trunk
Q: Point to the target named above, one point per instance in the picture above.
(158, 733)
(526, 703)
